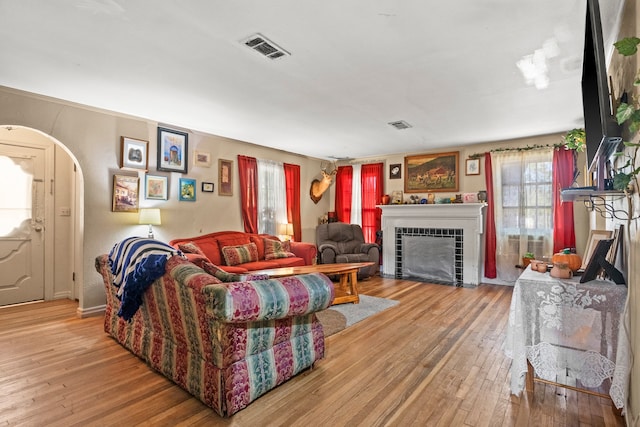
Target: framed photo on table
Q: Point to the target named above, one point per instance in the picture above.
(431, 172)
(594, 237)
(134, 153)
(173, 147)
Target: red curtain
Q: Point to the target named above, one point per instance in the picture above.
(490, 271)
(248, 173)
(344, 177)
(371, 179)
(292, 182)
(563, 170)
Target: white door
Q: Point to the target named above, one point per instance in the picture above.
(22, 214)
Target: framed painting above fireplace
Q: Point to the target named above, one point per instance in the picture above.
(431, 172)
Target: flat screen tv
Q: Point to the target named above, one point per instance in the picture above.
(602, 132)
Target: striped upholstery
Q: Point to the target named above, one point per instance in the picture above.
(225, 343)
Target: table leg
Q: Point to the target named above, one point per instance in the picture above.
(529, 379)
(348, 282)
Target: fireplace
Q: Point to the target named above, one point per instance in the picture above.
(436, 254)
(457, 230)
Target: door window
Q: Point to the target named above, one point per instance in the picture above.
(16, 174)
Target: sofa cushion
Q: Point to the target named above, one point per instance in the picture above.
(190, 248)
(259, 241)
(225, 276)
(274, 249)
(240, 254)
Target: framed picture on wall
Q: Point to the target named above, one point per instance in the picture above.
(395, 171)
(202, 159)
(472, 167)
(187, 192)
(125, 193)
(134, 153)
(207, 187)
(225, 177)
(173, 147)
(155, 187)
(431, 172)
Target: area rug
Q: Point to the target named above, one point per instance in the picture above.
(338, 317)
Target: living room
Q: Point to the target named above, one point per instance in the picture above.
(88, 139)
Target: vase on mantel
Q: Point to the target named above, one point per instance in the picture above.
(385, 199)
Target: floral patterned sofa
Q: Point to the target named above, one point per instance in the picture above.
(240, 252)
(225, 343)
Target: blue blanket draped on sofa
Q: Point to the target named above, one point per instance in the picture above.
(135, 263)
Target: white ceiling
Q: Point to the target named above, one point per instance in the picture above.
(447, 68)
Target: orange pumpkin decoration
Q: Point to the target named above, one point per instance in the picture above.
(573, 261)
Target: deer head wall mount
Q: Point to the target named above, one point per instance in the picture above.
(318, 187)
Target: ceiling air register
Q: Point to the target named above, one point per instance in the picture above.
(265, 47)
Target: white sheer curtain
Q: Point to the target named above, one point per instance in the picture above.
(356, 195)
(522, 182)
(272, 196)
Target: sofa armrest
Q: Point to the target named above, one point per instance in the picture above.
(366, 247)
(306, 251)
(328, 253)
(269, 299)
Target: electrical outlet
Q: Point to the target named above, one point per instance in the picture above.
(65, 211)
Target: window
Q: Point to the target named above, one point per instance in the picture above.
(523, 207)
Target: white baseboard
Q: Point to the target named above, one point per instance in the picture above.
(91, 311)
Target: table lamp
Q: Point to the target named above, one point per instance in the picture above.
(149, 216)
(286, 230)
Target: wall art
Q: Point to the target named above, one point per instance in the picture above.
(431, 172)
(173, 147)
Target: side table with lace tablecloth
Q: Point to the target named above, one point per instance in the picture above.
(570, 333)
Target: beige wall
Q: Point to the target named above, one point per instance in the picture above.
(623, 71)
(93, 138)
(475, 183)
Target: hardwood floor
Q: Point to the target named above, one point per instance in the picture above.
(435, 359)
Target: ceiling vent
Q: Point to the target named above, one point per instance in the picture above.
(400, 124)
(265, 47)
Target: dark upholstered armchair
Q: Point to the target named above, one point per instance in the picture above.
(339, 242)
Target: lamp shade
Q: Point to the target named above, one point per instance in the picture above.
(289, 229)
(149, 216)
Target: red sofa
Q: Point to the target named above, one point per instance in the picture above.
(211, 245)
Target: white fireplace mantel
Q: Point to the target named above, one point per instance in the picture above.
(465, 216)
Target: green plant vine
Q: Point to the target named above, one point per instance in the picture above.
(629, 114)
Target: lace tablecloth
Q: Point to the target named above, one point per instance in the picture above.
(569, 330)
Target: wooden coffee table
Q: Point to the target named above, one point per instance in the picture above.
(347, 289)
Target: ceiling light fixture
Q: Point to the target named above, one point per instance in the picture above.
(265, 47)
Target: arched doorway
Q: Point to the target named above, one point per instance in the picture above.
(55, 215)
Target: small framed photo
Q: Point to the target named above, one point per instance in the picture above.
(125, 193)
(187, 191)
(173, 147)
(134, 153)
(397, 197)
(395, 171)
(472, 167)
(202, 159)
(207, 187)
(155, 187)
(225, 177)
